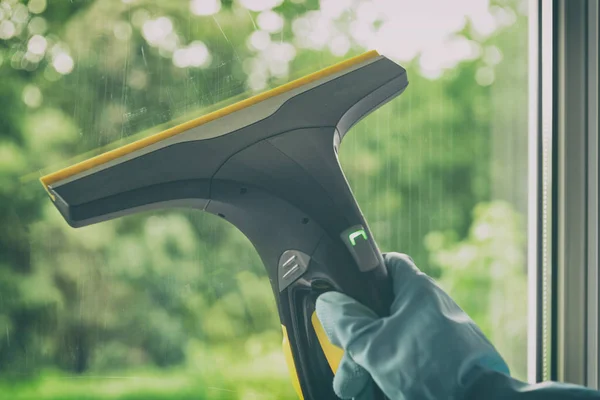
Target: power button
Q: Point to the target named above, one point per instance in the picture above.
(360, 246)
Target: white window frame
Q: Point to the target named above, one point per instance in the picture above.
(563, 257)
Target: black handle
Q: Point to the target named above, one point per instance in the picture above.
(330, 268)
(301, 216)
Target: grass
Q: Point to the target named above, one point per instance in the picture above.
(147, 386)
(264, 377)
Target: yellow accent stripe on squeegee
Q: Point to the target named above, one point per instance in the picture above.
(121, 151)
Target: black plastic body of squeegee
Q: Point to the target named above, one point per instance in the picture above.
(279, 181)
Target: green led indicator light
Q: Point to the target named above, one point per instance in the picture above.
(355, 234)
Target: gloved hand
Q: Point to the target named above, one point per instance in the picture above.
(428, 348)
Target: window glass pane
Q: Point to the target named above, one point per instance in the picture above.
(176, 304)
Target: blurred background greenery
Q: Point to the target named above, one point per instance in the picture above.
(176, 304)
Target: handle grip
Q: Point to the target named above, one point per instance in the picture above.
(381, 305)
(332, 267)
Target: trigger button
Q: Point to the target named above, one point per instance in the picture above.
(292, 265)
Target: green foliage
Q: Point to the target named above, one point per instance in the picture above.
(176, 304)
(266, 383)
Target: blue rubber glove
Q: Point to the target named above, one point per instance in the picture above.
(428, 348)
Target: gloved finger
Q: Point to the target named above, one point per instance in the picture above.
(350, 379)
(346, 321)
(403, 271)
